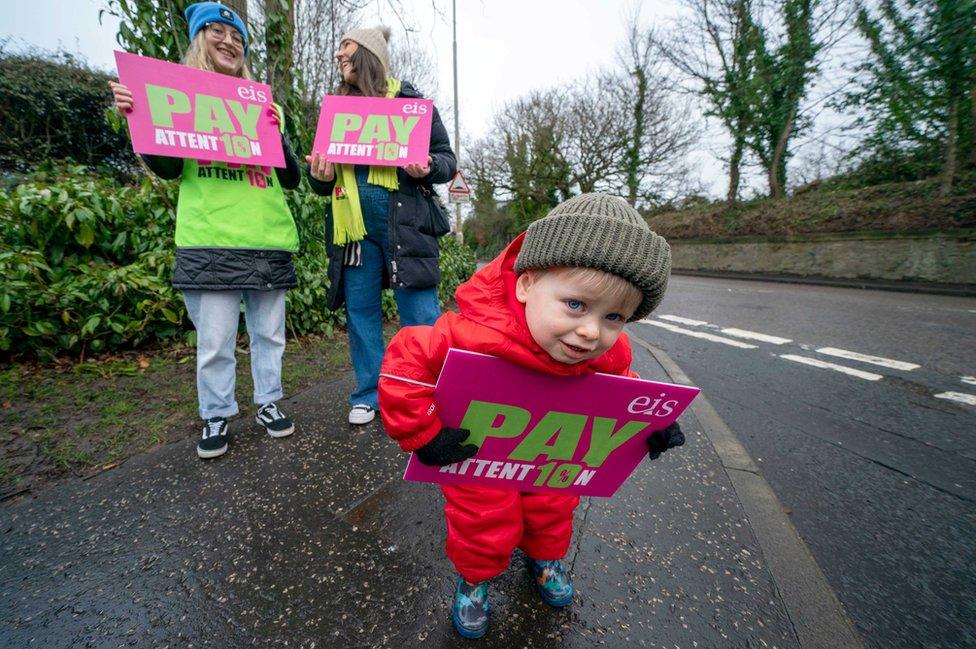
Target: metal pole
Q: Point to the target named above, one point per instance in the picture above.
(457, 122)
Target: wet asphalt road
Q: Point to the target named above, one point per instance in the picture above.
(880, 476)
(315, 541)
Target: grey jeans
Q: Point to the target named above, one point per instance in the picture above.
(216, 315)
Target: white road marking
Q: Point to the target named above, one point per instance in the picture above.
(699, 334)
(864, 358)
(679, 319)
(752, 335)
(971, 380)
(961, 397)
(867, 376)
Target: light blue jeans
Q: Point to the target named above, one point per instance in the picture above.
(216, 314)
(362, 286)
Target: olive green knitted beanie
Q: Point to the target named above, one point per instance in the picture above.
(375, 40)
(603, 232)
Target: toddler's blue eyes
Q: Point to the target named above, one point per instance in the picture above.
(615, 317)
(575, 305)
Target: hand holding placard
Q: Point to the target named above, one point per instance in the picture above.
(662, 440)
(447, 448)
(122, 96)
(320, 168)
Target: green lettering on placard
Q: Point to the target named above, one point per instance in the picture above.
(544, 472)
(403, 126)
(163, 102)
(481, 416)
(343, 123)
(211, 115)
(247, 117)
(605, 440)
(562, 429)
(376, 129)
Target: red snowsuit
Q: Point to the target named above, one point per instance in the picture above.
(484, 525)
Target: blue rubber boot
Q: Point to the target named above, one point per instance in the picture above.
(553, 582)
(470, 610)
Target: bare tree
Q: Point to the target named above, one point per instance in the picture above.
(714, 49)
(524, 162)
(319, 26)
(414, 64)
(597, 134)
(658, 133)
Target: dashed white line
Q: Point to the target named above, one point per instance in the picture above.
(699, 334)
(752, 335)
(864, 358)
(687, 321)
(971, 380)
(867, 376)
(961, 397)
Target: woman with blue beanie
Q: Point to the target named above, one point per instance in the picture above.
(234, 242)
(382, 223)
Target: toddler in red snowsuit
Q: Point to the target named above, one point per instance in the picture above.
(556, 301)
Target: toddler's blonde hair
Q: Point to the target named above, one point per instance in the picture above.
(628, 296)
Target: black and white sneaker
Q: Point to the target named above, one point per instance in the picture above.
(213, 442)
(274, 421)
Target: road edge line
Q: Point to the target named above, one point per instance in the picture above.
(817, 615)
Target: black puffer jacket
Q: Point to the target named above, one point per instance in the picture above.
(415, 223)
(217, 269)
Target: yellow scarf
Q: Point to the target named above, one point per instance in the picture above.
(347, 214)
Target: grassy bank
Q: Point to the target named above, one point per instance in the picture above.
(77, 419)
(824, 209)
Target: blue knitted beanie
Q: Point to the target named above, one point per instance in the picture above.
(201, 14)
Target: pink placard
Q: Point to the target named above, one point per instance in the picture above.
(183, 112)
(374, 130)
(538, 432)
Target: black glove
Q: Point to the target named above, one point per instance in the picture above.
(662, 440)
(446, 448)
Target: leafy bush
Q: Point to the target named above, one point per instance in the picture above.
(457, 265)
(53, 108)
(306, 310)
(488, 231)
(87, 263)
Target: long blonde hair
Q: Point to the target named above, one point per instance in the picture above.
(197, 57)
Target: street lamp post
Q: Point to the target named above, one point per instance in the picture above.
(457, 122)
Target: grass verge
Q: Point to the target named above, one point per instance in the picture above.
(76, 419)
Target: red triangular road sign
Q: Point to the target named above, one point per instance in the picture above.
(459, 185)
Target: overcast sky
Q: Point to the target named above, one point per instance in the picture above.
(506, 48)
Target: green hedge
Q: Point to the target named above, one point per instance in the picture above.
(87, 263)
(53, 108)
